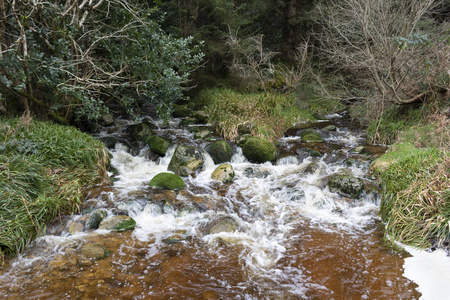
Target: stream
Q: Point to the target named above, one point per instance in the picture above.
(275, 232)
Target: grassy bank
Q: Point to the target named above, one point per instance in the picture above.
(415, 176)
(270, 114)
(44, 169)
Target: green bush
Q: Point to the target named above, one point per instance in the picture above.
(44, 169)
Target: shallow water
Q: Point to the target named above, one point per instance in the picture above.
(275, 232)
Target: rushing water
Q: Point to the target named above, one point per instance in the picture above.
(275, 232)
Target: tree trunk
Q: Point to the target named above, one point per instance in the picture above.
(289, 30)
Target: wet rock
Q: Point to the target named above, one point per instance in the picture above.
(95, 218)
(311, 135)
(181, 111)
(176, 238)
(347, 186)
(107, 119)
(242, 139)
(200, 116)
(360, 150)
(76, 227)
(109, 141)
(184, 171)
(221, 224)
(167, 181)
(219, 151)
(188, 121)
(137, 132)
(119, 212)
(224, 173)
(259, 150)
(95, 251)
(320, 117)
(186, 156)
(158, 145)
(329, 128)
(203, 134)
(118, 223)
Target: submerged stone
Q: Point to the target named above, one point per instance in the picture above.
(259, 150)
(118, 223)
(95, 251)
(167, 181)
(224, 173)
(219, 151)
(222, 224)
(347, 186)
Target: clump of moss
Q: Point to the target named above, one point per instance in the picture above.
(44, 169)
(259, 150)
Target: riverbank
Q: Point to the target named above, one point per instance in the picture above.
(44, 169)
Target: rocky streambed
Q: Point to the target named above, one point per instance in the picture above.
(189, 216)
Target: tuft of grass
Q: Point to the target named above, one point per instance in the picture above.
(44, 169)
(415, 203)
(270, 113)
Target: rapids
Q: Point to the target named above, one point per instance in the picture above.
(275, 232)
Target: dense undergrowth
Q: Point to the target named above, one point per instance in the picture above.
(269, 113)
(44, 169)
(415, 176)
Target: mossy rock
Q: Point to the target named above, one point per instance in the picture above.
(137, 132)
(188, 121)
(259, 150)
(186, 156)
(95, 251)
(201, 135)
(224, 173)
(158, 145)
(347, 186)
(95, 218)
(311, 136)
(219, 151)
(167, 181)
(181, 111)
(201, 117)
(109, 141)
(118, 223)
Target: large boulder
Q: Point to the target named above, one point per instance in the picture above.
(347, 186)
(109, 141)
(181, 111)
(219, 151)
(224, 173)
(311, 135)
(186, 156)
(168, 181)
(137, 132)
(259, 150)
(158, 145)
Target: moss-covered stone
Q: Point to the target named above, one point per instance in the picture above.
(219, 151)
(158, 145)
(201, 117)
(311, 135)
(259, 150)
(118, 223)
(181, 111)
(186, 156)
(109, 141)
(202, 134)
(347, 186)
(224, 173)
(137, 132)
(167, 181)
(95, 251)
(95, 218)
(188, 121)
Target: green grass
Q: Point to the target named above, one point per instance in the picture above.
(271, 114)
(44, 169)
(416, 199)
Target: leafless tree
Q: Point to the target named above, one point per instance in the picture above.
(388, 45)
